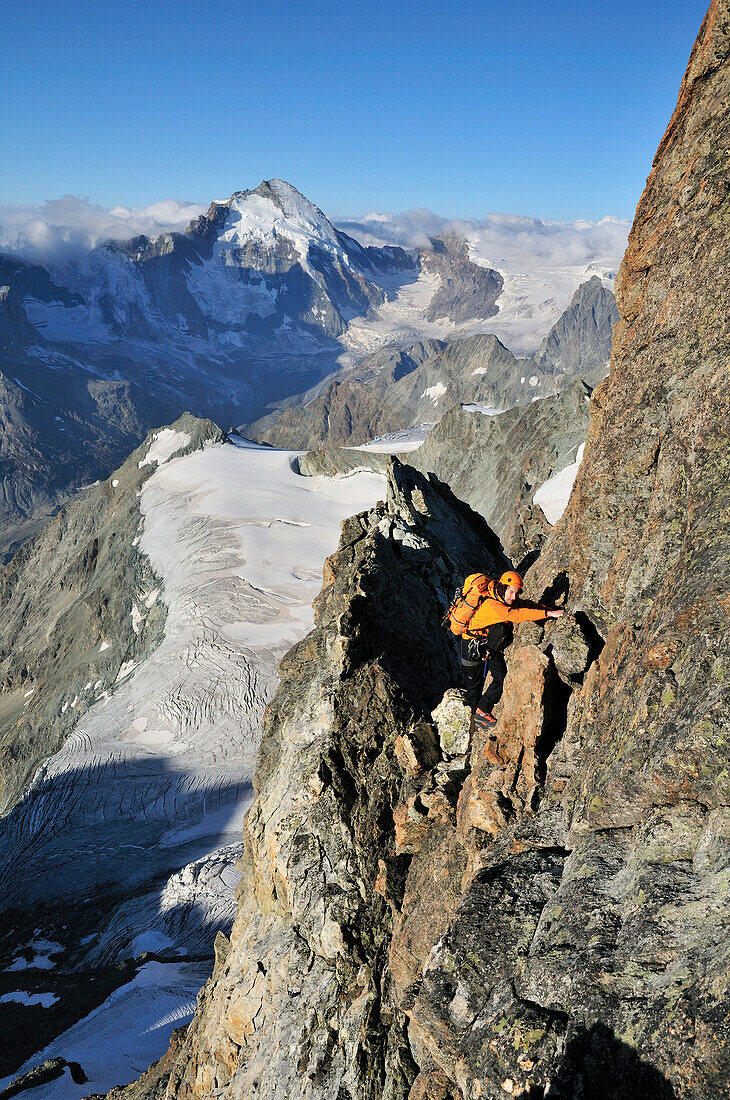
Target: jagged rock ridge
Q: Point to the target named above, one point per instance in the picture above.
(354, 693)
(579, 343)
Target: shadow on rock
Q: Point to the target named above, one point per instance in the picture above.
(599, 1066)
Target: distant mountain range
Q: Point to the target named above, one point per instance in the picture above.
(259, 301)
(398, 388)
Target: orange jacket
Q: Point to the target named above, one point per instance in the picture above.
(494, 610)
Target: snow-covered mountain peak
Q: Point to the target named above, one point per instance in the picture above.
(295, 205)
(278, 218)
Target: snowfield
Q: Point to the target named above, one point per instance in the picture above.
(152, 785)
(407, 439)
(400, 320)
(121, 1038)
(554, 494)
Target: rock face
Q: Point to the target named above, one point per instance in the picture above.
(494, 463)
(467, 290)
(550, 917)
(315, 1014)
(596, 915)
(580, 342)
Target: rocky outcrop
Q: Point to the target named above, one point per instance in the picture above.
(336, 461)
(579, 343)
(494, 463)
(315, 1013)
(405, 389)
(467, 291)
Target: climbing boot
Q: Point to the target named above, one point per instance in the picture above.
(484, 720)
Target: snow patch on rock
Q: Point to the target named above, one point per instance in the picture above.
(554, 494)
(435, 393)
(20, 997)
(485, 410)
(163, 446)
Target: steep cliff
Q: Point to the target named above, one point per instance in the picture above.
(590, 947)
(301, 1001)
(579, 343)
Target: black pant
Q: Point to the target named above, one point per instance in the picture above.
(478, 659)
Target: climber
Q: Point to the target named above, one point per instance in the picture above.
(486, 636)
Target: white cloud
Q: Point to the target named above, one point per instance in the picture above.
(59, 228)
(501, 239)
(410, 230)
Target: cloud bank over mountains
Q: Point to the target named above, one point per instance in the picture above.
(57, 230)
(502, 237)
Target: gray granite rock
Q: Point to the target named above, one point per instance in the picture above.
(496, 463)
(579, 343)
(467, 291)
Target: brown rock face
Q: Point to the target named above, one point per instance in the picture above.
(504, 762)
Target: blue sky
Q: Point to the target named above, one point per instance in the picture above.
(547, 109)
